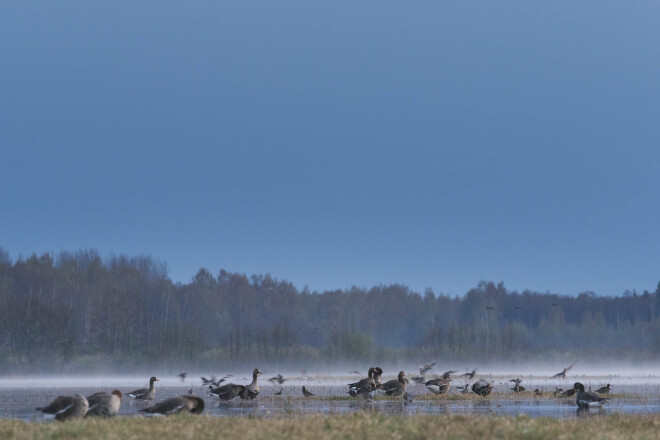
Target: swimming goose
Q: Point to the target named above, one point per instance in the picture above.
(306, 393)
(395, 387)
(176, 405)
(364, 386)
(438, 386)
(66, 407)
(587, 399)
(145, 393)
(482, 387)
(604, 390)
(104, 404)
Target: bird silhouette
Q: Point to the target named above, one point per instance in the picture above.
(562, 374)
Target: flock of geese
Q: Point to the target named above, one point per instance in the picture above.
(104, 404)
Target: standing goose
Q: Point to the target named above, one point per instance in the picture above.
(104, 404)
(364, 386)
(395, 387)
(587, 399)
(604, 390)
(226, 392)
(66, 407)
(176, 405)
(252, 390)
(438, 386)
(482, 387)
(145, 393)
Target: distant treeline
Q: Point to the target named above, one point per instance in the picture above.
(78, 311)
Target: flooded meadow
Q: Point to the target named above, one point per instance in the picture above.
(19, 396)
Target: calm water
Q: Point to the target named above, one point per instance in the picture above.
(19, 397)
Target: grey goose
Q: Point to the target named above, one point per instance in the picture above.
(104, 404)
(185, 403)
(604, 390)
(438, 386)
(562, 374)
(145, 393)
(230, 391)
(587, 399)
(395, 387)
(482, 387)
(364, 386)
(66, 407)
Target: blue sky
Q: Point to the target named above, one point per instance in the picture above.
(433, 144)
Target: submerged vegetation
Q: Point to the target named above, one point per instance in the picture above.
(79, 312)
(359, 425)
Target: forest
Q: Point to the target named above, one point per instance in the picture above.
(80, 312)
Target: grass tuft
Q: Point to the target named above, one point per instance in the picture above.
(358, 425)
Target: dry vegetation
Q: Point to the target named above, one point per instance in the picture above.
(359, 425)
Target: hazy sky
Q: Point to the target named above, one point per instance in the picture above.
(339, 143)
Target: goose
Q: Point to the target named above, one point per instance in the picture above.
(604, 390)
(279, 393)
(230, 391)
(145, 393)
(567, 393)
(438, 386)
(418, 379)
(176, 405)
(378, 374)
(517, 388)
(562, 374)
(482, 387)
(395, 387)
(363, 386)
(182, 376)
(279, 379)
(252, 390)
(447, 375)
(537, 392)
(306, 393)
(587, 399)
(226, 392)
(66, 407)
(470, 375)
(426, 367)
(104, 404)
